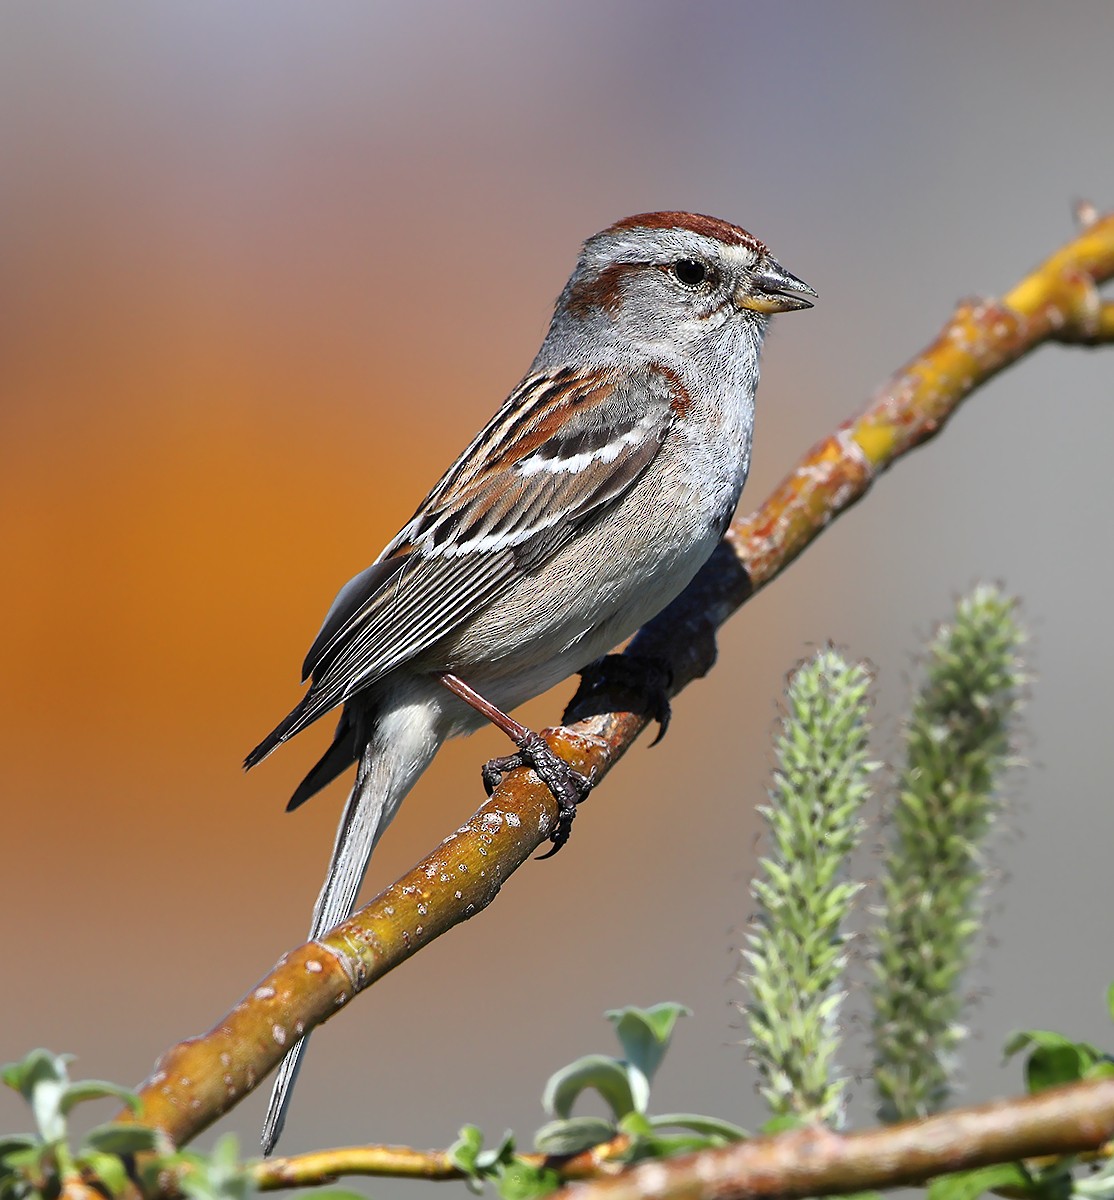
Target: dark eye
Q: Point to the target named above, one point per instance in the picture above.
(690, 271)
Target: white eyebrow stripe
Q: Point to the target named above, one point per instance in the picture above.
(535, 464)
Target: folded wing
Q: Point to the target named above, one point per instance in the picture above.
(561, 450)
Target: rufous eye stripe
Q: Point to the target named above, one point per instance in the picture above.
(604, 290)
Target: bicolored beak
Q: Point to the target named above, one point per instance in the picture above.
(770, 288)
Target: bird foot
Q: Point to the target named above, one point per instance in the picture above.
(567, 785)
(638, 683)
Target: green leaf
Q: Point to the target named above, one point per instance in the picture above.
(1110, 1001)
(667, 1145)
(10, 1143)
(635, 1124)
(468, 1155)
(97, 1089)
(225, 1155)
(29, 1158)
(216, 1175)
(107, 1168)
(573, 1135)
(608, 1076)
(221, 1176)
(1052, 1067)
(969, 1185)
(462, 1153)
(39, 1063)
(1022, 1040)
(1055, 1059)
(41, 1079)
(120, 1138)
(782, 1123)
(521, 1181)
(644, 1033)
(196, 1185)
(711, 1127)
(488, 1160)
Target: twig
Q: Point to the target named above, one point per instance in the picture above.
(201, 1078)
(812, 1162)
(326, 1166)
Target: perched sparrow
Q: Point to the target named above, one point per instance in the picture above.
(582, 508)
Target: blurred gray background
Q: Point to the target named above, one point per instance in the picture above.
(267, 267)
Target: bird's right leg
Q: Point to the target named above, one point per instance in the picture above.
(567, 785)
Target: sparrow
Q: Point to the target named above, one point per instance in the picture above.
(581, 509)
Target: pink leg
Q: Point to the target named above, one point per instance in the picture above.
(567, 785)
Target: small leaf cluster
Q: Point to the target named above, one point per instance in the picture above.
(1053, 1059)
(513, 1178)
(624, 1085)
(218, 1175)
(41, 1163)
(1054, 1180)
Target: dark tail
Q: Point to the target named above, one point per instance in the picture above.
(348, 742)
(345, 750)
(313, 705)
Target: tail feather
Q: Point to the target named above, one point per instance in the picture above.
(403, 741)
(291, 724)
(313, 705)
(341, 754)
(360, 828)
(285, 1078)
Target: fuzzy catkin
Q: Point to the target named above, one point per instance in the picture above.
(796, 949)
(959, 742)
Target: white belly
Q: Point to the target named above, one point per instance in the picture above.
(603, 586)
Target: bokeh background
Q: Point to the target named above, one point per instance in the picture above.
(265, 269)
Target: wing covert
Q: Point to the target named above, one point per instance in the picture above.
(560, 451)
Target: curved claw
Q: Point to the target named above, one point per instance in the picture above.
(495, 770)
(638, 682)
(662, 713)
(566, 784)
(558, 842)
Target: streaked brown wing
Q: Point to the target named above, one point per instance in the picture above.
(559, 451)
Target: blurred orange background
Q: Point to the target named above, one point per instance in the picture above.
(267, 267)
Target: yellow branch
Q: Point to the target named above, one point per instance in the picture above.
(326, 1166)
